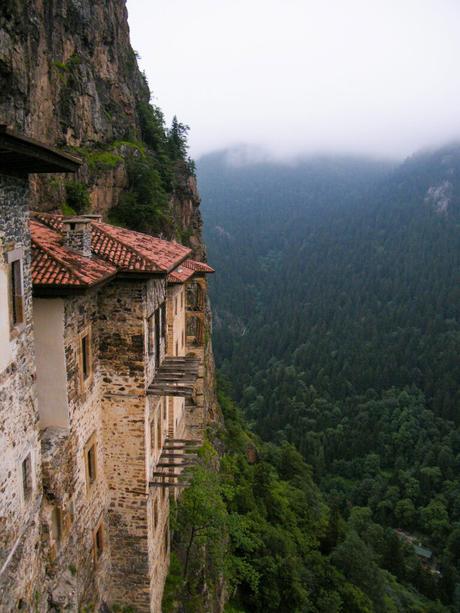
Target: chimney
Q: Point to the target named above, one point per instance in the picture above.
(77, 234)
(93, 216)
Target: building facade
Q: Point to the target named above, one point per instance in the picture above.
(98, 384)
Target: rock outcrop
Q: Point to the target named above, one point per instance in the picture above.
(69, 77)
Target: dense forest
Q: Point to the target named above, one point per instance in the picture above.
(337, 324)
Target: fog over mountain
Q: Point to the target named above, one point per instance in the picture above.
(363, 76)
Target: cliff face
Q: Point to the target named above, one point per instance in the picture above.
(69, 77)
(70, 73)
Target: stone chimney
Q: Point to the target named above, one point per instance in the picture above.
(93, 216)
(77, 234)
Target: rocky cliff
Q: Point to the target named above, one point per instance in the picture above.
(69, 77)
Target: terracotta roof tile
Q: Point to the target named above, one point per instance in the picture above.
(181, 274)
(198, 266)
(146, 252)
(129, 251)
(53, 264)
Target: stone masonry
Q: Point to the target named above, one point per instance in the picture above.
(21, 570)
(84, 487)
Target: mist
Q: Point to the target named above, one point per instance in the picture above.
(366, 77)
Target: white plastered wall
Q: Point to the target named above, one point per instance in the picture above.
(51, 364)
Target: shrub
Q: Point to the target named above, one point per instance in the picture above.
(77, 196)
(144, 206)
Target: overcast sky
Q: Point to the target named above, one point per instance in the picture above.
(365, 76)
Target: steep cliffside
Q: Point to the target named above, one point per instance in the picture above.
(69, 77)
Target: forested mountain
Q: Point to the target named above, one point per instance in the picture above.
(337, 323)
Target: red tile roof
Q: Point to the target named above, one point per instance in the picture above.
(129, 251)
(55, 265)
(133, 251)
(181, 274)
(187, 269)
(198, 266)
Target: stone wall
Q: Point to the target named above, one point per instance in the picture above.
(138, 564)
(21, 570)
(80, 505)
(47, 542)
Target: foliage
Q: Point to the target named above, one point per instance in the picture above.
(67, 210)
(337, 321)
(99, 159)
(77, 196)
(262, 524)
(144, 205)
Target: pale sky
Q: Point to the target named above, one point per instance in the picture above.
(292, 76)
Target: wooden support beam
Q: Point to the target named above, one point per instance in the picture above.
(172, 465)
(160, 484)
(178, 456)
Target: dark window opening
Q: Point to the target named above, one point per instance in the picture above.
(27, 477)
(85, 356)
(91, 463)
(163, 319)
(56, 525)
(98, 543)
(159, 433)
(150, 334)
(17, 301)
(157, 337)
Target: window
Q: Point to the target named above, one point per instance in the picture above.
(86, 369)
(150, 333)
(17, 293)
(183, 339)
(163, 319)
(159, 434)
(152, 435)
(85, 357)
(157, 336)
(98, 542)
(27, 477)
(175, 305)
(164, 401)
(56, 525)
(16, 288)
(91, 460)
(155, 513)
(177, 347)
(182, 300)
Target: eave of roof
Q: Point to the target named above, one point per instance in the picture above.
(181, 274)
(199, 266)
(20, 155)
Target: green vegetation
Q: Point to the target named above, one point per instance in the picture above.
(255, 517)
(337, 322)
(144, 206)
(77, 196)
(67, 210)
(100, 159)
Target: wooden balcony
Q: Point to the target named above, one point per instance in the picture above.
(177, 455)
(175, 377)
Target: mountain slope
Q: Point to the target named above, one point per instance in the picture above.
(339, 328)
